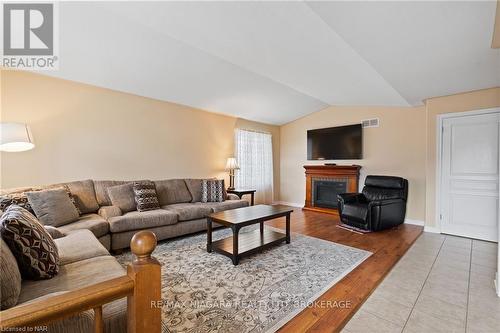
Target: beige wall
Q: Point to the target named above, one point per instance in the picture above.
(470, 101)
(83, 132)
(397, 147)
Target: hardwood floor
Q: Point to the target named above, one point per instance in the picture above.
(387, 247)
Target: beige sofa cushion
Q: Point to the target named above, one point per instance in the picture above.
(93, 222)
(79, 245)
(122, 196)
(10, 278)
(172, 191)
(194, 187)
(189, 211)
(101, 190)
(142, 220)
(226, 205)
(84, 193)
(53, 206)
(73, 276)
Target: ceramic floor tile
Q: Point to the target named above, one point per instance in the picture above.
(458, 242)
(447, 293)
(420, 322)
(455, 251)
(363, 322)
(442, 284)
(482, 270)
(444, 272)
(387, 309)
(453, 262)
(396, 294)
(441, 309)
(482, 324)
(483, 246)
(485, 259)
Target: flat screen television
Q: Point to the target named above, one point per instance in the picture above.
(335, 143)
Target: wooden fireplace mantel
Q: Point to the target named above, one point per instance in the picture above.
(348, 172)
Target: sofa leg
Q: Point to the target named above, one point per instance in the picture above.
(117, 252)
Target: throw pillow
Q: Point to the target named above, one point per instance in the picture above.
(213, 190)
(34, 249)
(146, 197)
(20, 199)
(53, 207)
(122, 196)
(10, 278)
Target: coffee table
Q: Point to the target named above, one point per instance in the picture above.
(237, 246)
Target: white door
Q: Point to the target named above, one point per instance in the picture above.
(469, 176)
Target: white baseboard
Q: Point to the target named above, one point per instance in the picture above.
(288, 204)
(415, 222)
(434, 230)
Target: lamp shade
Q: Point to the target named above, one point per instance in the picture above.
(231, 164)
(15, 137)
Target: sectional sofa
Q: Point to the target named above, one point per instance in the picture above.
(182, 211)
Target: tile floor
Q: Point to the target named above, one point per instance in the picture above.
(442, 284)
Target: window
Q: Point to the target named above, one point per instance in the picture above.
(254, 153)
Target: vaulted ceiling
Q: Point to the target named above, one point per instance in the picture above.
(277, 61)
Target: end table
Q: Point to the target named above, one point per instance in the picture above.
(242, 192)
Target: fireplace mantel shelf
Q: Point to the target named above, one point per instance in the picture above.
(345, 173)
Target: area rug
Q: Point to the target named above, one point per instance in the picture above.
(204, 292)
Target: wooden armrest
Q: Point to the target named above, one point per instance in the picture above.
(67, 304)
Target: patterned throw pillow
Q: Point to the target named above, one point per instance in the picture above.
(213, 190)
(34, 249)
(20, 199)
(146, 197)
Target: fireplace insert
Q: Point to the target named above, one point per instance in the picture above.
(325, 192)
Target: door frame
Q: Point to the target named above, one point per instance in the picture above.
(439, 150)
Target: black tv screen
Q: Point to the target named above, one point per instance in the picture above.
(335, 143)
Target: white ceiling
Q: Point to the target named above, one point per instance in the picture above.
(277, 61)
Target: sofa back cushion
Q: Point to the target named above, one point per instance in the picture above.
(53, 207)
(194, 187)
(122, 196)
(10, 278)
(84, 193)
(101, 190)
(172, 191)
(35, 251)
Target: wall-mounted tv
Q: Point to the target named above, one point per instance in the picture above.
(335, 143)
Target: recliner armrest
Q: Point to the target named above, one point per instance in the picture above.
(351, 197)
(385, 202)
(109, 211)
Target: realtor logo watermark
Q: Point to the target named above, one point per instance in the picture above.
(30, 36)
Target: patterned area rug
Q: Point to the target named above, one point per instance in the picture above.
(204, 292)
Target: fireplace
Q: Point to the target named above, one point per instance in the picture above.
(324, 182)
(325, 191)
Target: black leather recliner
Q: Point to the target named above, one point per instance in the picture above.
(381, 205)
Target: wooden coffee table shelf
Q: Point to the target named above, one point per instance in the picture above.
(249, 242)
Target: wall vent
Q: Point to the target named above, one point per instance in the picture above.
(370, 123)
